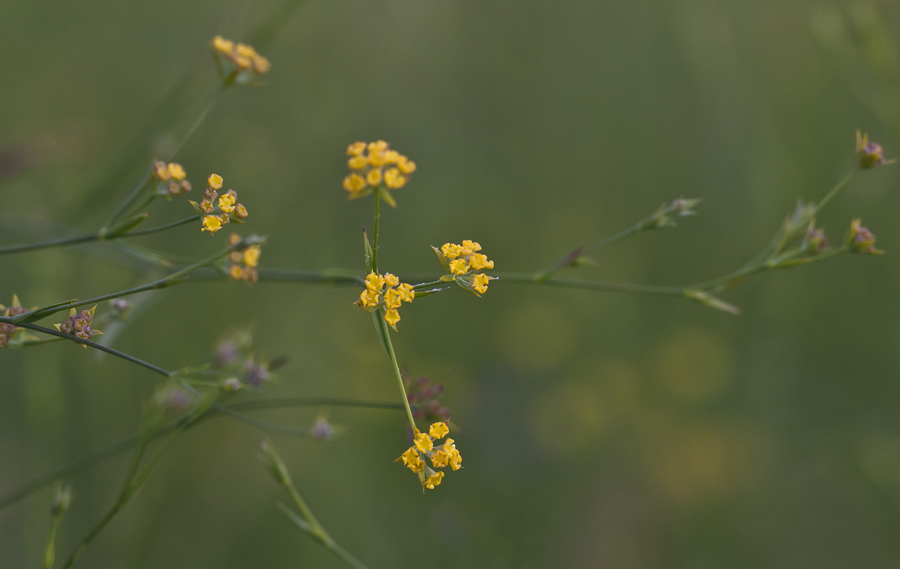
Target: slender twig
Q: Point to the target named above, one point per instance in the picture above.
(95, 345)
(87, 238)
(306, 521)
(375, 238)
(170, 280)
(87, 461)
(379, 317)
(192, 130)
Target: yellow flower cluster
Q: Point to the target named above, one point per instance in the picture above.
(375, 164)
(238, 57)
(170, 179)
(441, 456)
(463, 261)
(387, 291)
(244, 263)
(229, 208)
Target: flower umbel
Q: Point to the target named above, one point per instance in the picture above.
(242, 264)
(79, 325)
(376, 165)
(238, 63)
(215, 216)
(464, 263)
(441, 456)
(169, 179)
(870, 154)
(385, 291)
(423, 397)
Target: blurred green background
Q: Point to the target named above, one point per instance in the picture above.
(599, 429)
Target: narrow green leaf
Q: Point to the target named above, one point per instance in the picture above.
(378, 319)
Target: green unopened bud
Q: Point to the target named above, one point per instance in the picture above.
(274, 464)
(61, 501)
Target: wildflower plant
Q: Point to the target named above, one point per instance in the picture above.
(203, 391)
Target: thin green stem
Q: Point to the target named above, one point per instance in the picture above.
(159, 228)
(115, 449)
(62, 242)
(306, 521)
(377, 225)
(393, 357)
(87, 238)
(170, 280)
(145, 177)
(530, 278)
(614, 239)
(50, 547)
(834, 191)
(124, 496)
(95, 345)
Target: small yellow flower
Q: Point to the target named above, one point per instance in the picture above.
(211, 223)
(176, 171)
(223, 45)
(406, 292)
(242, 57)
(354, 183)
(378, 146)
(455, 457)
(459, 266)
(438, 430)
(394, 179)
(374, 282)
(261, 65)
(251, 256)
(241, 212)
(392, 299)
(226, 203)
(434, 480)
(412, 460)
(368, 299)
(376, 159)
(471, 245)
(214, 181)
(236, 272)
(480, 283)
(391, 316)
(440, 459)
(422, 442)
(390, 157)
(406, 165)
(374, 177)
(391, 280)
(357, 162)
(161, 171)
(450, 250)
(478, 261)
(356, 149)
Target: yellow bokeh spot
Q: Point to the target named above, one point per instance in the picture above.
(694, 364)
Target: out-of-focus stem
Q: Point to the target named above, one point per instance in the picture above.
(99, 236)
(170, 280)
(122, 446)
